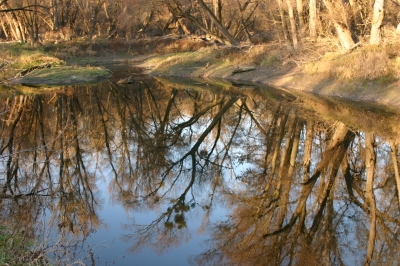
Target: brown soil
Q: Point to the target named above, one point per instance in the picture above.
(295, 79)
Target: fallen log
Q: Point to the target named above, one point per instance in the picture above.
(29, 70)
(128, 80)
(241, 69)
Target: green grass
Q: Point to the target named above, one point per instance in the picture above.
(14, 248)
(16, 57)
(65, 75)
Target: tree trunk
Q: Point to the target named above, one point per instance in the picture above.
(293, 29)
(217, 24)
(283, 19)
(342, 29)
(344, 35)
(183, 26)
(300, 12)
(56, 19)
(14, 23)
(217, 6)
(3, 27)
(313, 19)
(376, 22)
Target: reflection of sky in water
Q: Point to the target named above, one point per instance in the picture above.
(108, 245)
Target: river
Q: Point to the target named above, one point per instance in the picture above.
(172, 172)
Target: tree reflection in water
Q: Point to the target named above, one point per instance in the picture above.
(298, 189)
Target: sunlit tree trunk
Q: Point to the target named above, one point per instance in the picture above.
(292, 20)
(313, 19)
(183, 26)
(300, 11)
(342, 28)
(344, 35)
(283, 20)
(13, 22)
(377, 19)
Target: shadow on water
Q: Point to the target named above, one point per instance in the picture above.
(122, 173)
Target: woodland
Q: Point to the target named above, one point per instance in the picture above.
(346, 23)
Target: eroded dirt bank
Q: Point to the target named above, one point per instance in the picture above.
(287, 77)
(368, 91)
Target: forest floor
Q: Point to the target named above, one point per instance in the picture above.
(366, 73)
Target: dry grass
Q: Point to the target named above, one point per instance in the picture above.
(368, 63)
(262, 55)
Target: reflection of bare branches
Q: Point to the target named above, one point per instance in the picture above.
(195, 147)
(106, 136)
(333, 156)
(12, 161)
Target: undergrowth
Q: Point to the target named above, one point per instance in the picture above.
(15, 249)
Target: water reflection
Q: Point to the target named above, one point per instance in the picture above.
(297, 189)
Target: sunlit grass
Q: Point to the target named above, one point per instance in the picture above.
(15, 57)
(368, 63)
(65, 75)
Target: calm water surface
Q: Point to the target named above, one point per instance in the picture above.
(169, 173)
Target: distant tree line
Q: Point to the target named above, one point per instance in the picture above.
(227, 21)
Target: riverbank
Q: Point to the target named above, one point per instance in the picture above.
(366, 73)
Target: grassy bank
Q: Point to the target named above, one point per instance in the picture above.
(366, 73)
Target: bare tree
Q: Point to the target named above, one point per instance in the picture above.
(377, 19)
(337, 14)
(313, 19)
